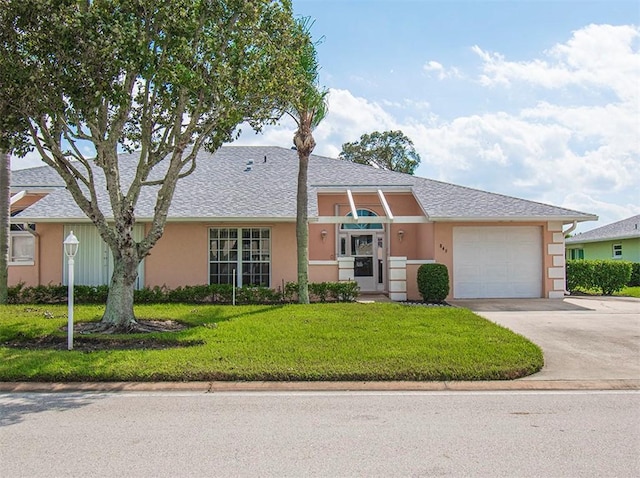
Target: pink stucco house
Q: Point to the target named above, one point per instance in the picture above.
(237, 211)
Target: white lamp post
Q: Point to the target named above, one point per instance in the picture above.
(70, 249)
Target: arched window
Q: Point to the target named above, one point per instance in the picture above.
(362, 213)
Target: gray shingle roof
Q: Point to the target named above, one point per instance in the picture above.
(626, 229)
(221, 188)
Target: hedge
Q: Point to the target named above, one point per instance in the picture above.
(194, 294)
(609, 276)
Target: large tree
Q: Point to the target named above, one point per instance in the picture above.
(390, 150)
(162, 77)
(308, 108)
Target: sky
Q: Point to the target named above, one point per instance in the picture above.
(534, 99)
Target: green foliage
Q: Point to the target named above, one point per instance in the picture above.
(285, 342)
(635, 275)
(190, 294)
(163, 78)
(608, 276)
(390, 150)
(324, 291)
(433, 282)
(579, 273)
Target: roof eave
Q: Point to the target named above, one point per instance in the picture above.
(563, 219)
(601, 239)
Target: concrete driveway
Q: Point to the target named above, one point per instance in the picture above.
(583, 338)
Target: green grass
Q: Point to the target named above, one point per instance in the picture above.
(629, 292)
(625, 292)
(291, 342)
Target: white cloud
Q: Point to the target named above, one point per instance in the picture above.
(600, 56)
(440, 71)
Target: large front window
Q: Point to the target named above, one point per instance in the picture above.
(245, 250)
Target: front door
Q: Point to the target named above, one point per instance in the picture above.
(363, 267)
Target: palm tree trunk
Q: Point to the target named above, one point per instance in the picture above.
(302, 229)
(5, 214)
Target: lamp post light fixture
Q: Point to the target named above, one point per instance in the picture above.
(70, 249)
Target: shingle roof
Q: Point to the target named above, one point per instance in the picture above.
(626, 229)
(222, 188)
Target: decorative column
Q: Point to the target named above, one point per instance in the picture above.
(398, 278)
(556, 272)
(345, 269)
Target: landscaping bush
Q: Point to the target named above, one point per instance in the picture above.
(608, 276)
(635, 275)
(611, 276)
(190, 294)
(433, 282)
(579, 274)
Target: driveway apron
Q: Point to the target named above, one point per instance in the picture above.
(582, 338)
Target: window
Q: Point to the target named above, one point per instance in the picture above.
(21, 248)
(576, 254)
(617, 251)
(245, 250)
(362, 213)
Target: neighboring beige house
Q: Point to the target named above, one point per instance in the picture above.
(237, 212)
(618, 240)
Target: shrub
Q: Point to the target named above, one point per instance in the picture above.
(579, 274)
(635, 275)
(343, 291)
(190, 294)
(609, 276)
(433, 282)
(319, 291)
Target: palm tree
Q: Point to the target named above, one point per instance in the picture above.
(307, 110)
(5, 194)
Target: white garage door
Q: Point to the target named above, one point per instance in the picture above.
(496, 262)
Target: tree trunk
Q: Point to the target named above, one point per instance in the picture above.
(302, 229)
(5, 214)
(118, 315)
(304, 143)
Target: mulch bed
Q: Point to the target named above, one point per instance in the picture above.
(84, 342)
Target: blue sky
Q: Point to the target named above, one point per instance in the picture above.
(534, 99)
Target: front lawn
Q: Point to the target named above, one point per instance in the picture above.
(380, 341)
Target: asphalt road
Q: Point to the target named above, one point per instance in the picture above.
(332, 434)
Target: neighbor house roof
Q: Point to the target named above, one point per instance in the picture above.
(260, 182)
(626, 229)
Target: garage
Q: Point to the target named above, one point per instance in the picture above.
(497, 262)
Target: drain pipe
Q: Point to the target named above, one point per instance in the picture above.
(564, 235)
(571, 228)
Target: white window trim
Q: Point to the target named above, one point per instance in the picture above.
(613, 250)
(14, 234)
(239, 262)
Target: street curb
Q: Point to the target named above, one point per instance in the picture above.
(214, 387)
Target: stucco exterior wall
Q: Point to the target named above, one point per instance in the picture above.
(47, 268)
(181, 256)
(604, 250)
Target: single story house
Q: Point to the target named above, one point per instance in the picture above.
(237, 212)
(618, 240)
